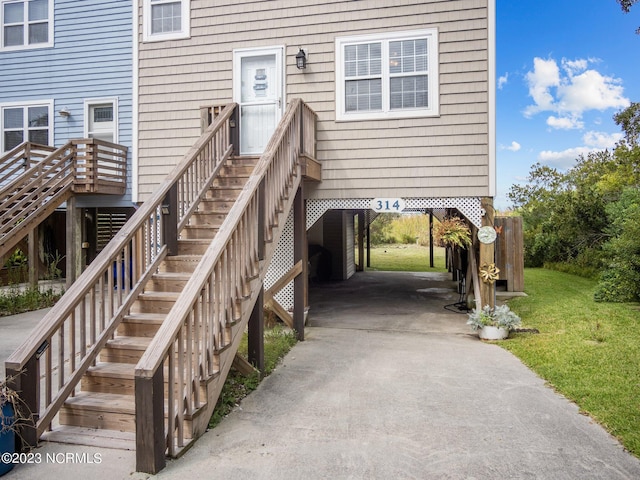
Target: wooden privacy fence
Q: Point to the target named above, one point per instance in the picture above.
(215, 303)
(510, 252)
(49, 365)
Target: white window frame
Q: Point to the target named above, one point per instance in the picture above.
(184, 32)
(25, 128)
(433, 109)
(90, 102)
(27, 46)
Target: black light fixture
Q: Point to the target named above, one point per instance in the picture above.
(301, 60)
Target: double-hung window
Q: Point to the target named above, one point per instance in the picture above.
(166, 19)
(26, 24)
(391, 75)
(25, 123)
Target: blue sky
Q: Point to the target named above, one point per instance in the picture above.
(564, 68)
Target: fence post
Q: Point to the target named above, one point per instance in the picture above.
(150, 437)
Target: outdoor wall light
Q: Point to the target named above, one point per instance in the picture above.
(64, 112)
(301, 60)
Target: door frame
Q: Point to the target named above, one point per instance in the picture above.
(238, 54)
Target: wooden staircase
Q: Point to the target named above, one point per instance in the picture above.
(103, 411)
(135, 353)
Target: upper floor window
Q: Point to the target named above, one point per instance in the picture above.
(391, 75)
(26, 24)
(25, 123)
(166, 19)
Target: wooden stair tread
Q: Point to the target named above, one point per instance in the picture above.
(201, 241)
(153, 318)
(160, 296)
(173, 275)
(91, 437)
(106, 402)
(129, 343)
(112, 370)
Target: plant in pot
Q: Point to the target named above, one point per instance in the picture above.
(12, 418)
(493, 323)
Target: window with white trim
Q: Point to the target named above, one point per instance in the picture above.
(391, 75)
(26, 24)
(28, 123)
(166, 19)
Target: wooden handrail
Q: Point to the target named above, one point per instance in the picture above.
(96, 303)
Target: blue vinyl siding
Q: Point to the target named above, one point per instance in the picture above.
(91, 59)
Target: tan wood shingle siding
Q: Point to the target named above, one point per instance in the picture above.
(419, 157)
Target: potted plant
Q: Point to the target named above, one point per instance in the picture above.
(493, 323)
(11, 418)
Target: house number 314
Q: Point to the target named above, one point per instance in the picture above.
(394, 205)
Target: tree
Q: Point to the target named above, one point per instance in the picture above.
(626, 7)
(588, 218)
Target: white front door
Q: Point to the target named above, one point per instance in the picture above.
(258, 89)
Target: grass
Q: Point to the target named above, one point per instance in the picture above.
(14, 300)
(406, 258)
(277, 343)
(589, 352)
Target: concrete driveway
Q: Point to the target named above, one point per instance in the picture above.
(389, 384)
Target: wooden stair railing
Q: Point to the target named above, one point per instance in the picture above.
(179, 377)
(37, 179)
(49, 365)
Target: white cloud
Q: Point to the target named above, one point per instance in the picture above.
(544, 76)
(593, 142)
(571, 91)
(601, 140)
(503, 80)
(574, 66)
(514, 147)
(564, 123)
(564, 159)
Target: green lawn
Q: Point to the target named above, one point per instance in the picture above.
(406, 258)
(588, 351)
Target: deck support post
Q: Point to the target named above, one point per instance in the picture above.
(150, 437)
(255, 334)
(299, 255)
(431, 238)
(74, 242)
(487, 256)
(34, 260)
(361, 221)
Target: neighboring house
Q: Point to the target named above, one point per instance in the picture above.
(404, 91)
(66, 73)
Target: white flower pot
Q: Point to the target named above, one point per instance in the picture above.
(493, 333)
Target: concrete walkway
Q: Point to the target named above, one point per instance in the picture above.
(388, 384)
